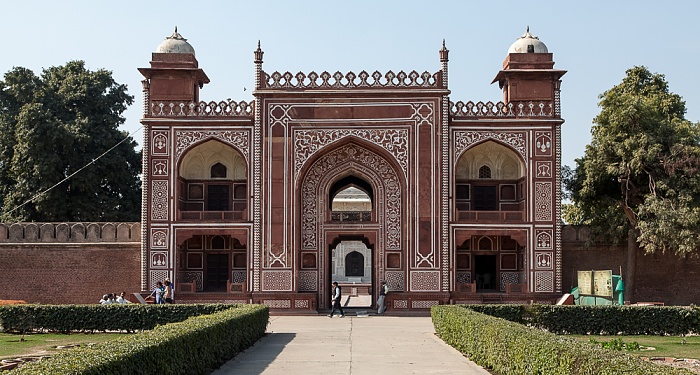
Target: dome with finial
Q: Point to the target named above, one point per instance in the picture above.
(528, 43)
(175, 44)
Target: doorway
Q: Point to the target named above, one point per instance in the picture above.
(217, 272)
(485, 271)
(351, 266)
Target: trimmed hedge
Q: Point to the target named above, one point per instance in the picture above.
(511, 348)
(90, 318)
(600, 320)
(197, 345)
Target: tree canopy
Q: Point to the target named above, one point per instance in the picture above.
(51, 126)
(640, 171)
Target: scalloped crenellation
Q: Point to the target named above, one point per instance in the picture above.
(350, 80)
(224, 108)
(501, 109)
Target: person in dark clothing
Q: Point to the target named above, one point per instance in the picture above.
(335, 300)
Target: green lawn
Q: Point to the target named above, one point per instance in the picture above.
(45, 343)
(666, 346)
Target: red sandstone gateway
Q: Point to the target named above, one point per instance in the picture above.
(356, 178)
(349, 177)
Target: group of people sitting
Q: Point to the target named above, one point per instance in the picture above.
(163, 292)
(111, 298)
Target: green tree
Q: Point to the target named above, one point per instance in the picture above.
(55, 124)
(639, 176)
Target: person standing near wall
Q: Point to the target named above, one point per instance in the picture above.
(335, 300)
(383, 290)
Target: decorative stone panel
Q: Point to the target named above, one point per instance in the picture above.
(196, 277)
(464, 277)
(544, 281)
(543, 201)
(425, 281)
(159, 238)
(156, 276)
(543, 143)
(301, 304)
(544, 239)
(307, 281)
(423, 304)
(238, 277)
(160, 167)
(400, 304)
(160, 143)
(465, 139)
(508, 278)
(159, 200)
(395, 280)
(543, 260)
(543, 169)
(159, 259)
(278, 303)
(277, 281)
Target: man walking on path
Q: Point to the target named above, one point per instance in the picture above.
(335, 300)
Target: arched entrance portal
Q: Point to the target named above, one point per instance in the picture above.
(351, 193)
(351, 265)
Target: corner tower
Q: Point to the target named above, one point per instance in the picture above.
(528, 73)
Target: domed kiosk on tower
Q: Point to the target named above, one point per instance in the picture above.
(175, 43)
(528, 43)
(174, 74)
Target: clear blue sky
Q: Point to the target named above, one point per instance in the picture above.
(596, 41)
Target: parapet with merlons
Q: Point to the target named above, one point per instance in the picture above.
(228, 108)
(69, 232)
(527, 109)
(363, 80)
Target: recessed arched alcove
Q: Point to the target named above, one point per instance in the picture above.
(212, 176)
(489, 177)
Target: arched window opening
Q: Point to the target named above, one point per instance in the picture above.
(484, 172)
(354, 264)
(485, 243)
(218, 243)
(351, 200)
(218, 170)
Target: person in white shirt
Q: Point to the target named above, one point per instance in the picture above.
(121, 298)
(335, 299)
(106, 300)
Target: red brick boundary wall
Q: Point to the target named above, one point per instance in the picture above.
(60, 263)
(79, 262)
(660, 277)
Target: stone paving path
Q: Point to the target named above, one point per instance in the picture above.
(350, 345)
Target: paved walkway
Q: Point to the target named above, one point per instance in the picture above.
(350, 345)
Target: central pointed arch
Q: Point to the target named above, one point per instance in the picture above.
(373, 172)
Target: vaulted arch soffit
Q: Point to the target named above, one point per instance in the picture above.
(197, 160)
(186, 140)
(504, 161)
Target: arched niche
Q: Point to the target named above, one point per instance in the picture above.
(502, 162)
(212, 177)
(198, 162)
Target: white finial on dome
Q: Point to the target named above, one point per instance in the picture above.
(175, 43)
(528, 43)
